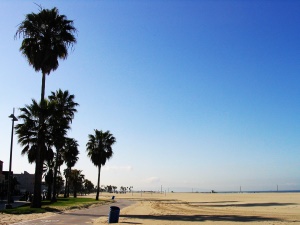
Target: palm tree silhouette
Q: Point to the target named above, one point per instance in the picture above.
(99, 148)
(70, 155)
(60, 122)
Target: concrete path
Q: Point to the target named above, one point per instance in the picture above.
(79, 217)
(16, 203)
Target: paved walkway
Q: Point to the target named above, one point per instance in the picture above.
(79, 217)
(16, 203)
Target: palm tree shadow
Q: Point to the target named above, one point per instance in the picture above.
(267, 204)
(131, 223)
(201, 218)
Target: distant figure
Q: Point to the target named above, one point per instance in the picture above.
(113, 198)
(30, 197)
(44, 195)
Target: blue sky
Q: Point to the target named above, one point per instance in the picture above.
(199, 94)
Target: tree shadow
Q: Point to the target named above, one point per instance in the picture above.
(196, 203)
(50, 209)
(84, 214)
(201, 218)
(63, 199)
(130, 222)
(213, 202)
(267, 204)
(154, 200)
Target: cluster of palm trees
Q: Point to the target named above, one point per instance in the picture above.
(109, 188)
(47, 36)
(78, 183)
(57, 148)
(113, 189)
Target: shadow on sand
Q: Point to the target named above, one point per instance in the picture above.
(201, 218)
(218, 203)
(267, 204)
(214, 218)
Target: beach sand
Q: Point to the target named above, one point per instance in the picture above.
(10, 218)
(198, 208)
(207, 208)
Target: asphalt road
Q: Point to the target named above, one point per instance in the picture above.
(78, 217)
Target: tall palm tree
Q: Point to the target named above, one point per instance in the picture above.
(70, 155)
(99, 148)
(47, 35)
(60, 121)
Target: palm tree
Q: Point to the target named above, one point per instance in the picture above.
(70, 155)
(88, 186)
(99, 148)
(28, 130)
(28, 136)
(47, 36)
(76, 181)
(60, 121)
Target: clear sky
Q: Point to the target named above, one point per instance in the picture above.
(199, 94)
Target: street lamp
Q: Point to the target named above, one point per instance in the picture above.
(13, 119)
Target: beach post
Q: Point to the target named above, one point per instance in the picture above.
(13, 119)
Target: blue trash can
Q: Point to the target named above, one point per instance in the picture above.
(114, 214)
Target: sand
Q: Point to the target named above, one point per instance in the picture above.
(199, 208)
(10, 219)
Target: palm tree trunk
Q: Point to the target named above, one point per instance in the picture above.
(98, 183)
(49, 191)
(66, 186)
(68, 189)
(75, 188)
(55, 177)
(37, 197)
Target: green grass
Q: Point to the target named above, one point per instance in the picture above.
(62, 204)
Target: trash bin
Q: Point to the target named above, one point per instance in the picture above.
(114, 214)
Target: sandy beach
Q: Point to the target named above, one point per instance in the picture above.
(193, 208)
(196, 208)
(10, 218)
